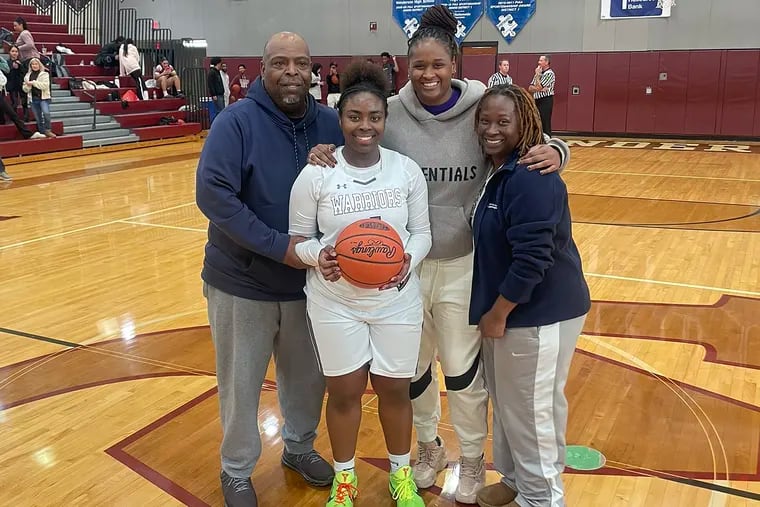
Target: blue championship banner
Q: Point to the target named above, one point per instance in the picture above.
(467, 12)
(510, 16)
(407, 14)
(629, 9)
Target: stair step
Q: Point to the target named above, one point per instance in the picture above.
(7, 18)
(102, 134)
(85, 120)
(110, 140)
(65, 99)
(58, 107)
(58, 93)
(80, 129)
(87, 113)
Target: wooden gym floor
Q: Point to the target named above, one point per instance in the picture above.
(107, 388)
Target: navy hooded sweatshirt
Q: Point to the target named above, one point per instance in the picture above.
(251, 158)
(524, 249)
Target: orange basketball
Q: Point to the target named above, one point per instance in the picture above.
(370, 253)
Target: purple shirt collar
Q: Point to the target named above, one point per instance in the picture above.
(436, 110)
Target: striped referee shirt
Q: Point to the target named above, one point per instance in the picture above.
(499, 79)
(547, 83)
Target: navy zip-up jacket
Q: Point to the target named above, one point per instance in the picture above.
(524, 249)
(251, 158)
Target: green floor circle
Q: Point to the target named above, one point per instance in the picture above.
(580, 457)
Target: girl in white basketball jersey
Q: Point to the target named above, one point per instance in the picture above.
(360, 332)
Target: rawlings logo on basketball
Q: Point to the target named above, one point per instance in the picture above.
(373, 247)
(378, 226)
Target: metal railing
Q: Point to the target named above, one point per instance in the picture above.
(97, 20)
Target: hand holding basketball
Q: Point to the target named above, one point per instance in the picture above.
(401, 277)
(328, 264)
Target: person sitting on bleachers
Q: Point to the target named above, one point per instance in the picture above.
(107, 55)
(166, 77)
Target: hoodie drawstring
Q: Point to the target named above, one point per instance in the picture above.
(295, 145)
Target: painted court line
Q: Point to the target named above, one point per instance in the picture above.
(680, 176)
(90, 227)
(162, 226)
(675, 284)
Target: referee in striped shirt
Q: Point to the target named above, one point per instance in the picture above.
(501, 77)
(543, 92)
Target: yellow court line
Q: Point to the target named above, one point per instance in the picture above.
(680, 176)
(674, 284)
(162, 226)
(89, 227)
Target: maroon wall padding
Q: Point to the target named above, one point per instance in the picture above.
(478, 67)
(526, 69)
(641, 107)
(670, 98)
(561, 66)
(702, 92)
(740, 93)
(611, 102)
(580, 108)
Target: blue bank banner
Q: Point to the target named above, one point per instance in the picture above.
(407, 14)
(629, 9)
(510, 16)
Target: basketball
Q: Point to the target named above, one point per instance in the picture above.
(370, 253)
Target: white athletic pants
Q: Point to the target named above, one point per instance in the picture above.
(446, 285)
(526, 372)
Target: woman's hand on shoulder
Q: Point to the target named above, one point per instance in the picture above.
(542, 157)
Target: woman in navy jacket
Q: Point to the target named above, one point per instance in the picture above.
(529, 300)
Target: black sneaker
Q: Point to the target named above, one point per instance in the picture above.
(312, 467)
(238, 492)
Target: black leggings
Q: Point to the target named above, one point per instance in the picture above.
(545, 106)
(139, 84)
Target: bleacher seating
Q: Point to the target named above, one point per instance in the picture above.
(74, 124)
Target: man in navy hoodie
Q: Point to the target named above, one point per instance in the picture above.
(253, 280)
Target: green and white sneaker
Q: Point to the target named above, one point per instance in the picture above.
(403, 489)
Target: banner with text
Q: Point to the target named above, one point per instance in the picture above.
(407, 14)
(630, 9)
(510, 16)
(467, 12)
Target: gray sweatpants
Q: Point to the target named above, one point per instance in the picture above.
(245, 334)
(526, 371)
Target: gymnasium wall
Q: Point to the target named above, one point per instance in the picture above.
(341, 27)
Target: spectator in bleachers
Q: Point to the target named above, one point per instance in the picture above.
(37, 85)
(333, 86)
(108, 54)
(216, 84)
(226, 83)
(390, 68)
(316, 82)
(242, 81)
(25, 42)
(166, 77)
(16, 82)
(129, 65)
(5, 108)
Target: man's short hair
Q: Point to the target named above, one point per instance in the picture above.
(385, 54)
